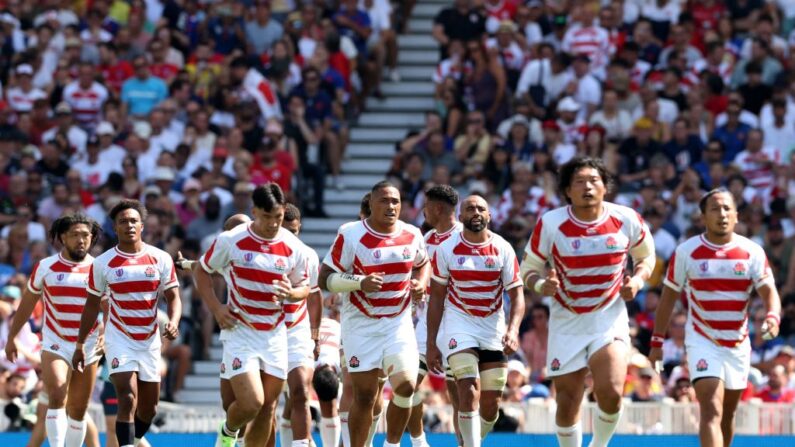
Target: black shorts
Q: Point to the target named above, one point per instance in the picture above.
(486, 356)
(110, 403)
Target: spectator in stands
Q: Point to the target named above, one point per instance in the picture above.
(458, 22)
(486, 84)
(141, 93)
(777, 389)
(616, 122)
(262, 31)
(472, 148)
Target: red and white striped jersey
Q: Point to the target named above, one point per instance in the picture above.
(718, 280)
(62, 285)
(590, 257)
(295, 313)
(133, 282)
(433, 239)
(512, 56)
(21, 101)
(86, 104)
(757, 168)
(476, 275)
(592, 41)
(451, 68)
(330, 336)
(360, 250)
(254, 264)
(724, 70)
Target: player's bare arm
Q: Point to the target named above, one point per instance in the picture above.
(204, 286)
(29, 300)
(662, 318)
(770, 297)
(510, 340)
(419, 280)
(174, 310)
(87, 320)
(331, 281)
(643, 259)
(435, 312)
(314, 307)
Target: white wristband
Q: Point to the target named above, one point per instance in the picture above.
(641, 282)
(344, 282)
(539, 285)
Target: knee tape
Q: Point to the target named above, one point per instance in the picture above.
(416, 399)
(493, 379)
(464, 365)
(401, 367)
(402, 401)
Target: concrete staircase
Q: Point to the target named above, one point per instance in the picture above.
(370, 152)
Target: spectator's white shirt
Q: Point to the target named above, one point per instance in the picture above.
(97, 174)
(147, 163)
(512, 57)
(77, 139)
(563, 152)
(36, 232)
(668, 13)
(536, 134)
(533, 33)
(781, 138)
(766, 117)
(102, 36)
(164, 141)
(618, 127)
(50, 210)
(23, 101)
(777, 44)
(571, 131)
(589, 93)
(380, 14)
(669, 111)
(554, 84)
(670, 352)
(749, 118)
(683, 211)
(787, 7)
(664, 243)
(112, 156)
(223, 195)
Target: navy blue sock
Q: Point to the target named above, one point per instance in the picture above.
(125, 433)
(141, 427)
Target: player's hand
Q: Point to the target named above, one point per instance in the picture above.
(11, 350)
(283, 289)
(100, 346)
(433, 357)
(655, 355)
(417, 290)
(551, 283)
(316, 350)
(630, 287)
(224, 318)
(171, 330)
(510, 342)
(373, 282)
(78, 359)
(770, 329)
(178, 261)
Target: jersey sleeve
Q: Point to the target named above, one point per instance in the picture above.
(168, 274)
(340, 257)
(540, 244)
(313, 265)
(36, 280)
(217, 256)
(510, 268)
(440, 271)
(299, 275)
(96, 278)
(761, 273)
(677, 270)
(422, 251)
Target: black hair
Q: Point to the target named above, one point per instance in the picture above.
(542, 307)
(364, 206)
(267, 197)
(239, 62)
(64, 223)
(326, 383)
(753, 68)
(291, 213)
(383, 184)
(567, 171)
(127, 204)
(442, 193)
(702, 204)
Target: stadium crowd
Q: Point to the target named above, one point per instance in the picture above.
(187, 105)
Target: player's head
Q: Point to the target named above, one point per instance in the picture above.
(77, 233)
(268, 208)
(364, 207)
(719, 211)
(584, 181)
(326, 383)
(235, 220)
(384, 203)
(475, 214)
(440, 202)
(128, 218)
(292, 218)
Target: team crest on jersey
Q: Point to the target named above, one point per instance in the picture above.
(406, 253)
(353, 362)
(611, 243)
(704, 267)
(150, 272)
(575, 244)
(377, 254)
(223, 367)
(114, 363)
(236, 364)
(490, 263)
(265, 248)
(119, 273)
(60, 277)
(702, 365)
(248, 257)
(461, 260)
(453, 344)
(280, 265)
(739, 269)
(555, 365)
(720, 254)
(591, 230)
(54, 347)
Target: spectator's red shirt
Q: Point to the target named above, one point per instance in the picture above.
(115, 75)
(164, 71)
(786, 395)
(707, 17)
(339, 62)
(281, 172)
(717, 104)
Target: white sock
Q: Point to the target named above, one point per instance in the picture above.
(345, 434)
(300, 443)
(604, 425)
(241, 442)
(75, 433)
(373, 428)
(389, 444)
(56, 425)
(419, 441)
(330, 431)
(487, 426)
(469, 424)
(569, 436)
(286, 432)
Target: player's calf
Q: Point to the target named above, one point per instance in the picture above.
(492, 383)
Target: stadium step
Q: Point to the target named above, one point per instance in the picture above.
(396, 119)
(421, 26)
(364, 151)
(412, 89)
(201, 383)
(373, 166)
(344, 210)
(324, 225)
(200, 397)
(347, 195)
(414, 104)
(360, 181)
(205, 367)
(418, 57)
(416, 73)
(428, 8)
(417, 42)
(372, 134)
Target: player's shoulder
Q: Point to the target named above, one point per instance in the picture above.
(351, 229)
(106, 256)
(411, 229)
(157, 253)
(555, 217)
(500, 243)
(450, 241)
(748, 245)
(623, 212)
(46, 263)
(235, 233)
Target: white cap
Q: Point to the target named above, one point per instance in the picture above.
(568, 104)
(105, 128)
(163, 173)
(142, 129)
(25, 69)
